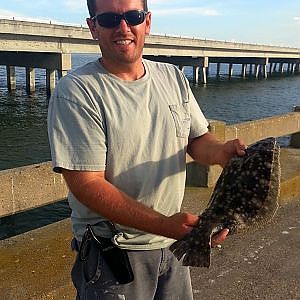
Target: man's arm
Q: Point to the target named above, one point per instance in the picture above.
(207, 150)
(95, 192)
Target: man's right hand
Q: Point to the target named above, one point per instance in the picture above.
(181, 224)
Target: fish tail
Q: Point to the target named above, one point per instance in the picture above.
(195, 247)
(197, 258)
(180, 248)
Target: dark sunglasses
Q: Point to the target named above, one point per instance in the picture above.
(110, 20)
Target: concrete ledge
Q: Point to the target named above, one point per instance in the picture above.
(275, 126)
(29, 187)
(290, 183)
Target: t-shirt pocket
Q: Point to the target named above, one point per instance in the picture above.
(182, 119)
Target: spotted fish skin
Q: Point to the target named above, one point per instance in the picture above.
(245, 195)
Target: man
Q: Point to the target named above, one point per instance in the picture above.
(119, 130)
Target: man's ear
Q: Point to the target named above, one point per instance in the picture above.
(92, 26)
(148, 23)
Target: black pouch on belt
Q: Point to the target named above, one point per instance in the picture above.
(116, 258)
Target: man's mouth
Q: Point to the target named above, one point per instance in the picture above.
(123, 42)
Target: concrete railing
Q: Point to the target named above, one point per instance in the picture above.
(37, 185)
(29, 187)
(274, 126)
(249, 132)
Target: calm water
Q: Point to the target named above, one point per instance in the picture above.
(23, 126)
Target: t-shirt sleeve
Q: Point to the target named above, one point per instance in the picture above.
(75, 129)
(199, 124)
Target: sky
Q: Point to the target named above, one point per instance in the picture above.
(268, 22)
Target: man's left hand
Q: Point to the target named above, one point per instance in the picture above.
(219, 238)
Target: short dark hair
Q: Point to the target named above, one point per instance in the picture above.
(92, 7)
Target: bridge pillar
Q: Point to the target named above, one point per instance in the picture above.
(64, 65)
(244, 67)
(30, 80)
(250, 70)
(270, 69)
(204, 68)
(50, 81)
(11, 78)
(218, 69)
(204, 73)
(257, 69)
(230, 70)
(295, 138)
(263, 67)
(265, 73)
(293, 68)
(195, 74)
(281, 66)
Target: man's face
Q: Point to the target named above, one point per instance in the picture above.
(122, 44)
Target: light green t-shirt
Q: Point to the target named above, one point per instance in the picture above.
(137, 131)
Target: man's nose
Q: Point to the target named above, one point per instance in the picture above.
(123, 27)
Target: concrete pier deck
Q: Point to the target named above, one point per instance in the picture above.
(36, 265)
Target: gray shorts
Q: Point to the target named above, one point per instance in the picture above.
(157, 275)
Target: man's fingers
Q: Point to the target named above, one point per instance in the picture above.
(219, 237)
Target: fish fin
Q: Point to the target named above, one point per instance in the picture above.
(197, 258)
(179, 248)
(195, 247)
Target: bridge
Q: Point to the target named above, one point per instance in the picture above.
(49, 46)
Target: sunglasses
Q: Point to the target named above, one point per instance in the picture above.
(110, 20)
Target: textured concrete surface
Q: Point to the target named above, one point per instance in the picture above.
(260, 265)
(29, 187)
(264, 264)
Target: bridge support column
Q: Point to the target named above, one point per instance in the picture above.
(218, 69)
(257, 69)
(64, 65)
(50, 81)
(270, 69)
(30, 80)
(293, 68)
(195, 74)
(250, 70)
(230, 70)
(204, 73)
(295, 138)
(265, 73)
(244, 67)
(11, 78)
(207, 71)
(281, 66)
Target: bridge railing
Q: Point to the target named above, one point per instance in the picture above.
(36, 185)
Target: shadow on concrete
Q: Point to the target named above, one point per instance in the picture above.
(33, 219)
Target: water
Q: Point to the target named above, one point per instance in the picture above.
(23, 126)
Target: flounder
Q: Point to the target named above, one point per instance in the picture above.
(245, 195)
